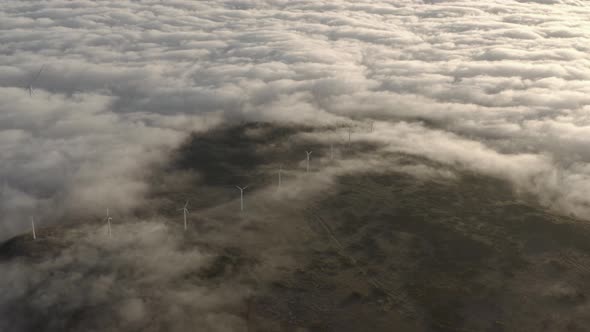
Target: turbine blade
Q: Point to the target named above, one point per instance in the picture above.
(38, 74)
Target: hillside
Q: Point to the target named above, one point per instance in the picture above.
(417, 246)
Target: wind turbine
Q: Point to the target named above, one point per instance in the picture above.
(184, 210)
(108, 220)
(308, 155)
(241, 196)
(30, 85)
(349, 134)
(33, 228)
(372, 123)
(331, 152)
(280, 179)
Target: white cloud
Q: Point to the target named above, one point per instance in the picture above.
(128, 281)
(125, 81)
(499, 87)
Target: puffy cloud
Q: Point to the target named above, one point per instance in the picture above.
(497, 87)
(125, 82)
(128, 281)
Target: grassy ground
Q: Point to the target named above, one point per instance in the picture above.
(465, 255)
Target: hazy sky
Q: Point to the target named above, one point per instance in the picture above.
(501, 87)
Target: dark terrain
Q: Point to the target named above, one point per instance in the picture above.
(372, 251)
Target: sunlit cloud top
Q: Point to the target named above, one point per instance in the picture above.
(126, 81)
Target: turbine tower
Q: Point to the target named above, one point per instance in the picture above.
(331, 152)
(371, 128)
(33, 228)
(241, 196)
(349, 134)
(30, 85)
(308, 156)
(184, 210)
(280, 178)
(108, 219)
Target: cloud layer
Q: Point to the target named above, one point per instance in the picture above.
(500, 87)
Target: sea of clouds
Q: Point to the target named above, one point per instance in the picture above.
(501, 87)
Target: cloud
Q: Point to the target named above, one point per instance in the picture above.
(500, 87)
(129, 281)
